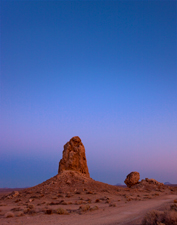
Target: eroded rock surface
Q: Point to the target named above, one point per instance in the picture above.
(74, 157)
(132, 179)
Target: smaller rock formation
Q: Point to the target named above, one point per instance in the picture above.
(132, 179)
(74, 157)
(149, 184)
(152, 181)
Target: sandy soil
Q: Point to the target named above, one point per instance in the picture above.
(74, 199)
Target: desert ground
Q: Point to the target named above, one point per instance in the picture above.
(72, 198)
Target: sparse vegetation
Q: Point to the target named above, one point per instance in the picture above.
(155, 217)
(9, 214)
(112, 205)
(62, 211)
(173, 207)
(94, 208)
(84, 208)
(20, 214)
(48, 211)
(31, 206)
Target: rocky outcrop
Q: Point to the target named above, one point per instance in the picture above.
(149, 184)
(74, 157)
(151, 181)
(132, 179)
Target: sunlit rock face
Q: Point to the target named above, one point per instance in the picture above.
(74, 157)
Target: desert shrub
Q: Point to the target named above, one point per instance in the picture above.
(170, 218)
(160, 218)
(31, 211)
(30, 206)
(84, 208)
(153, 217)
(20, 214)
(62, 211)
(173, 207)
(9, 214)
(48, 211)
(97, 200)
(89, 192)
(63, 203)
(94, 208)
(175, 201)
(112, 205)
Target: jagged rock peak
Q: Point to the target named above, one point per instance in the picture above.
(74, 157)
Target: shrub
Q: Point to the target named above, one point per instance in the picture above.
(84, 208)
(62, 211)
(20, 214)
(160, 218)
(170, 218)
(9, 214)
(152, 218)
(173, 207)
(112, 205)
(48, 211)
(31, 206)
(94, 208)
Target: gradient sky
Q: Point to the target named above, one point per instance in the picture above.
(105, 71)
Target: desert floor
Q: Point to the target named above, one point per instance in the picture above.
(77, 200)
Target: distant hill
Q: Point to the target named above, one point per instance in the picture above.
(167, 183)
(122, 185)
(10, 189)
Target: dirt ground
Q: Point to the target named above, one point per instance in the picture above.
(74, 199)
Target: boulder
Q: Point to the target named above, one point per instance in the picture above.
(132, 179)
(74, 157)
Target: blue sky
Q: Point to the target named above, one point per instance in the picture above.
(105, 71)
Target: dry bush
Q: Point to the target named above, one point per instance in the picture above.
(94, 208)
(175, 201)
(160, 218)
(64, 203)
(112, 205)
(20, 214)
(97, 200)
(31, 206)
(173, 207)
(170, 218)
(79, 202)
(89, 192)
(48, 211)
(9, 214)
(29, 211)
(84, 208)
(153, 217)
(62, 211)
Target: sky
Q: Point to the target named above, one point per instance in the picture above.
(105, 71)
